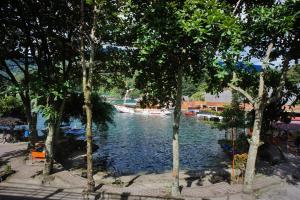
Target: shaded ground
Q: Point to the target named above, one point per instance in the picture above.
(10, 151)
(272, 183)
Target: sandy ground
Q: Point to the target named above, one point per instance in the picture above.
(272, 183)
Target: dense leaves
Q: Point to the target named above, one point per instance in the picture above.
(102, 111)
(11, 106)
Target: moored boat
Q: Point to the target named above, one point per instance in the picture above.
(143, 111)
(124, 109)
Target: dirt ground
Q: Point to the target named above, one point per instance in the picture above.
(272, 182)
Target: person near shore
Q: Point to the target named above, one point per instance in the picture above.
(26, 134)
(7, 137)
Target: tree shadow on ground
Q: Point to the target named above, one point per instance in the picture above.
(210, 176)
(25, 193)
(20, 192)
(6, 157)
(288, 169)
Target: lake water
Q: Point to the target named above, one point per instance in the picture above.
(138, 143)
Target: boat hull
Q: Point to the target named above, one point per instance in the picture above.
(125, 109)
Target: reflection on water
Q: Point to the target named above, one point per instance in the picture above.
(140, 143)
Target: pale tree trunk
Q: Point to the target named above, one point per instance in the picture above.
(87, 88)
(259, 106)
(177, 112)
(48, 167)
(254, 144)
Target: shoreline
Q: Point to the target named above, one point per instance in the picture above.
(195, 183)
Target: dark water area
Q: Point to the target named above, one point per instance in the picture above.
(139, 143)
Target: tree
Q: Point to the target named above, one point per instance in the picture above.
(40, 40)
(167, 52)
(87, 74)
(15, 62)
(94, 30)
(269, 31)
(273, 30)
(233, 115)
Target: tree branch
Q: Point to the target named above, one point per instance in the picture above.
(243, 92)
(236, 6)
(10, 74)
(279, 90)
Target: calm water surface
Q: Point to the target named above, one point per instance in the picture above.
(138, 143)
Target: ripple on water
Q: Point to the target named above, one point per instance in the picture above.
(140, 143)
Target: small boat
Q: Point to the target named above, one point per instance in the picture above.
(134, 109)
(209, 116)
(142, 111)
(124, 109)
(190, 113)
(152, 111)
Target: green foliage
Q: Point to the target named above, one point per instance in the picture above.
(233, 115)
(277, 23)
(204, 19)
(134, 94)
(294, 74)
(200, 94)
(11, 106)
(102, 111)
(168, 37)
(188, 87)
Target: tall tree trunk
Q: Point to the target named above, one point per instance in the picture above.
(254, 144)
(259, 106)
(89, 150)
(31, 119)
(177, 112)
(48, 167)
(33, 136)
(87, 87)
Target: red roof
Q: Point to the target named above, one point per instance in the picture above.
(216, 104)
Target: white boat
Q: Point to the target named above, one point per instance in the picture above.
(124, 109)
(142, 111)
(131, 108)
(152, 111)
(209, 116)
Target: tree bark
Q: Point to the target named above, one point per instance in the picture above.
(48, 167)
(177, 112)
(89, 151)
(59, 119)
(259, 106)
(254, 144)
(31, 118)
(32, 122)
(87, 87)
